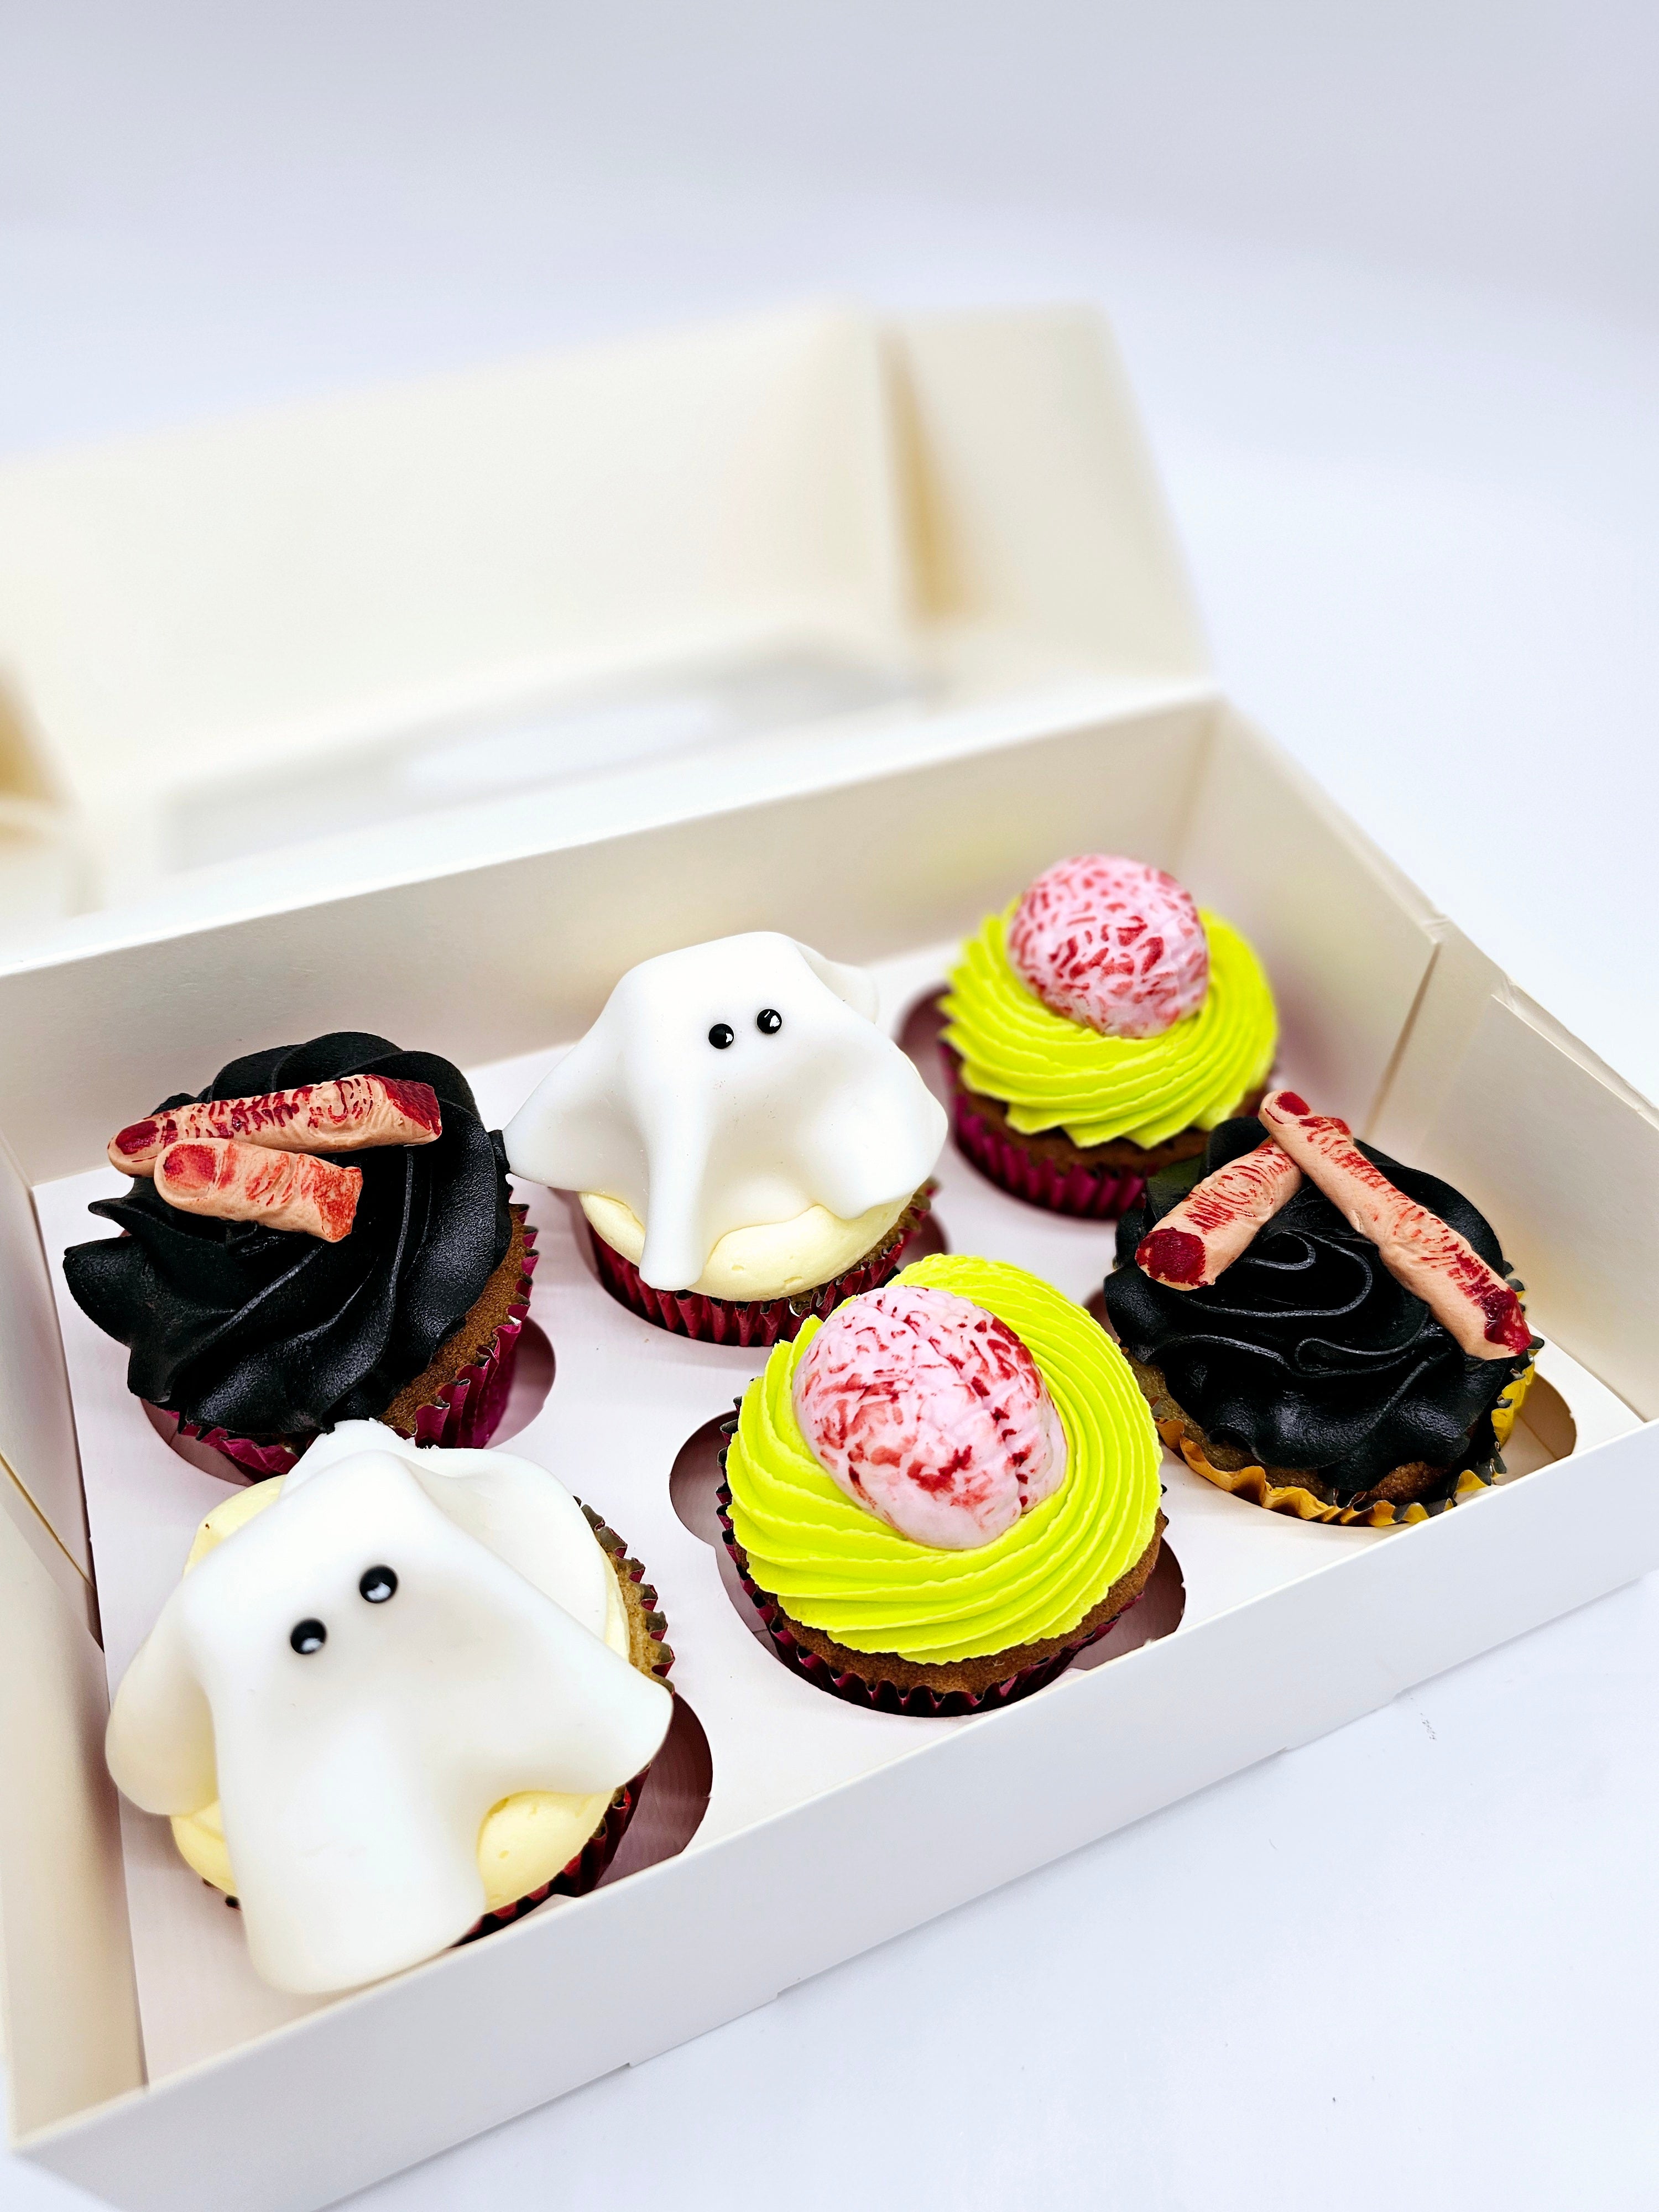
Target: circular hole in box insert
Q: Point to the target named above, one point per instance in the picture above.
(926, 1240)
(918, 1037)
(673, 1801)
(694, 1483)
(1544, 1432)
(694, 1478)
(193, 1452)
(532, 1378)
(202, 1457)
(581, 1234)
(1156, 1612)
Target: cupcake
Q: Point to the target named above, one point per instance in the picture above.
(747, 1147)
(322, 1235)
(1097, 1031)
(940, 1496)
(1317, 1328)
(399, 1696)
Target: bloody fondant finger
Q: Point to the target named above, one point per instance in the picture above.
(249, 1182)
(351, 1116)
(1472, 1303)
(1217, 1219)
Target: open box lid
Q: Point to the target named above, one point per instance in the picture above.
(316, 618)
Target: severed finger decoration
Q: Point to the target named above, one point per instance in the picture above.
(236, 1182)
(1472, 1303)
(1218, 1218)
(355, 1113)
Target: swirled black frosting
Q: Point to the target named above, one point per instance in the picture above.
(1308, 1353)
(270, 1333)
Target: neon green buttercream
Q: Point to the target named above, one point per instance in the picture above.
(835, 1567)
(1053, 1073)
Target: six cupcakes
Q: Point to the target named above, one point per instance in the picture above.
(944, 1486)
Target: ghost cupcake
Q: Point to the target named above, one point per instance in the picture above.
(1097, 1030)
(940, 1496)
(1318, 1328)
(748, 1146)
(322, 1235)
(400, 1696)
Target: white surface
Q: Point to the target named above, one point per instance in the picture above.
(1394, 372)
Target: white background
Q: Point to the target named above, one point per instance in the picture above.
(1388, 279)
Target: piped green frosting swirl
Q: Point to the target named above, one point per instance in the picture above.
(834, 1566)
(1053, 1073)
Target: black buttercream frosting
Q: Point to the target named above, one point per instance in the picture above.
(1307, 1353)
(270, 1333)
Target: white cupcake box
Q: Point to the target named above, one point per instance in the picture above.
(146, 2063)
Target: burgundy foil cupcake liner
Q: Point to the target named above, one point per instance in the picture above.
(464, 1414)
(585, 1870)
(759, 1323)
(1088, 1193)
(255, 1461)
(919, 1703)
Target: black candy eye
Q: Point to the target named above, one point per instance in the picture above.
(768, 1021)
(722, 1036)
(306, 1637)
(378, 1585)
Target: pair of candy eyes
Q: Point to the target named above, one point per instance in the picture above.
(375, 1584)
(769, 1022)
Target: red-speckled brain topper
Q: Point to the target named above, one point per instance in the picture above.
(930, 1413)
(1112, 944)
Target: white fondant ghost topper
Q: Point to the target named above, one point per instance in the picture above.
(359, 1673)
(726, 1085)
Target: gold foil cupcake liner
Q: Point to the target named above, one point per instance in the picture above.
(1255, 1484)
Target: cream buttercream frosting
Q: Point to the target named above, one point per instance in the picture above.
(730, 1087)
(1053, 1072)
(835, 1566)
(769, 1260)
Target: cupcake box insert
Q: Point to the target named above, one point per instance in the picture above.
(148, 2063)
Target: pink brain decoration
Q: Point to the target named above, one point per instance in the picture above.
(1112, 944)
(930, 1413)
